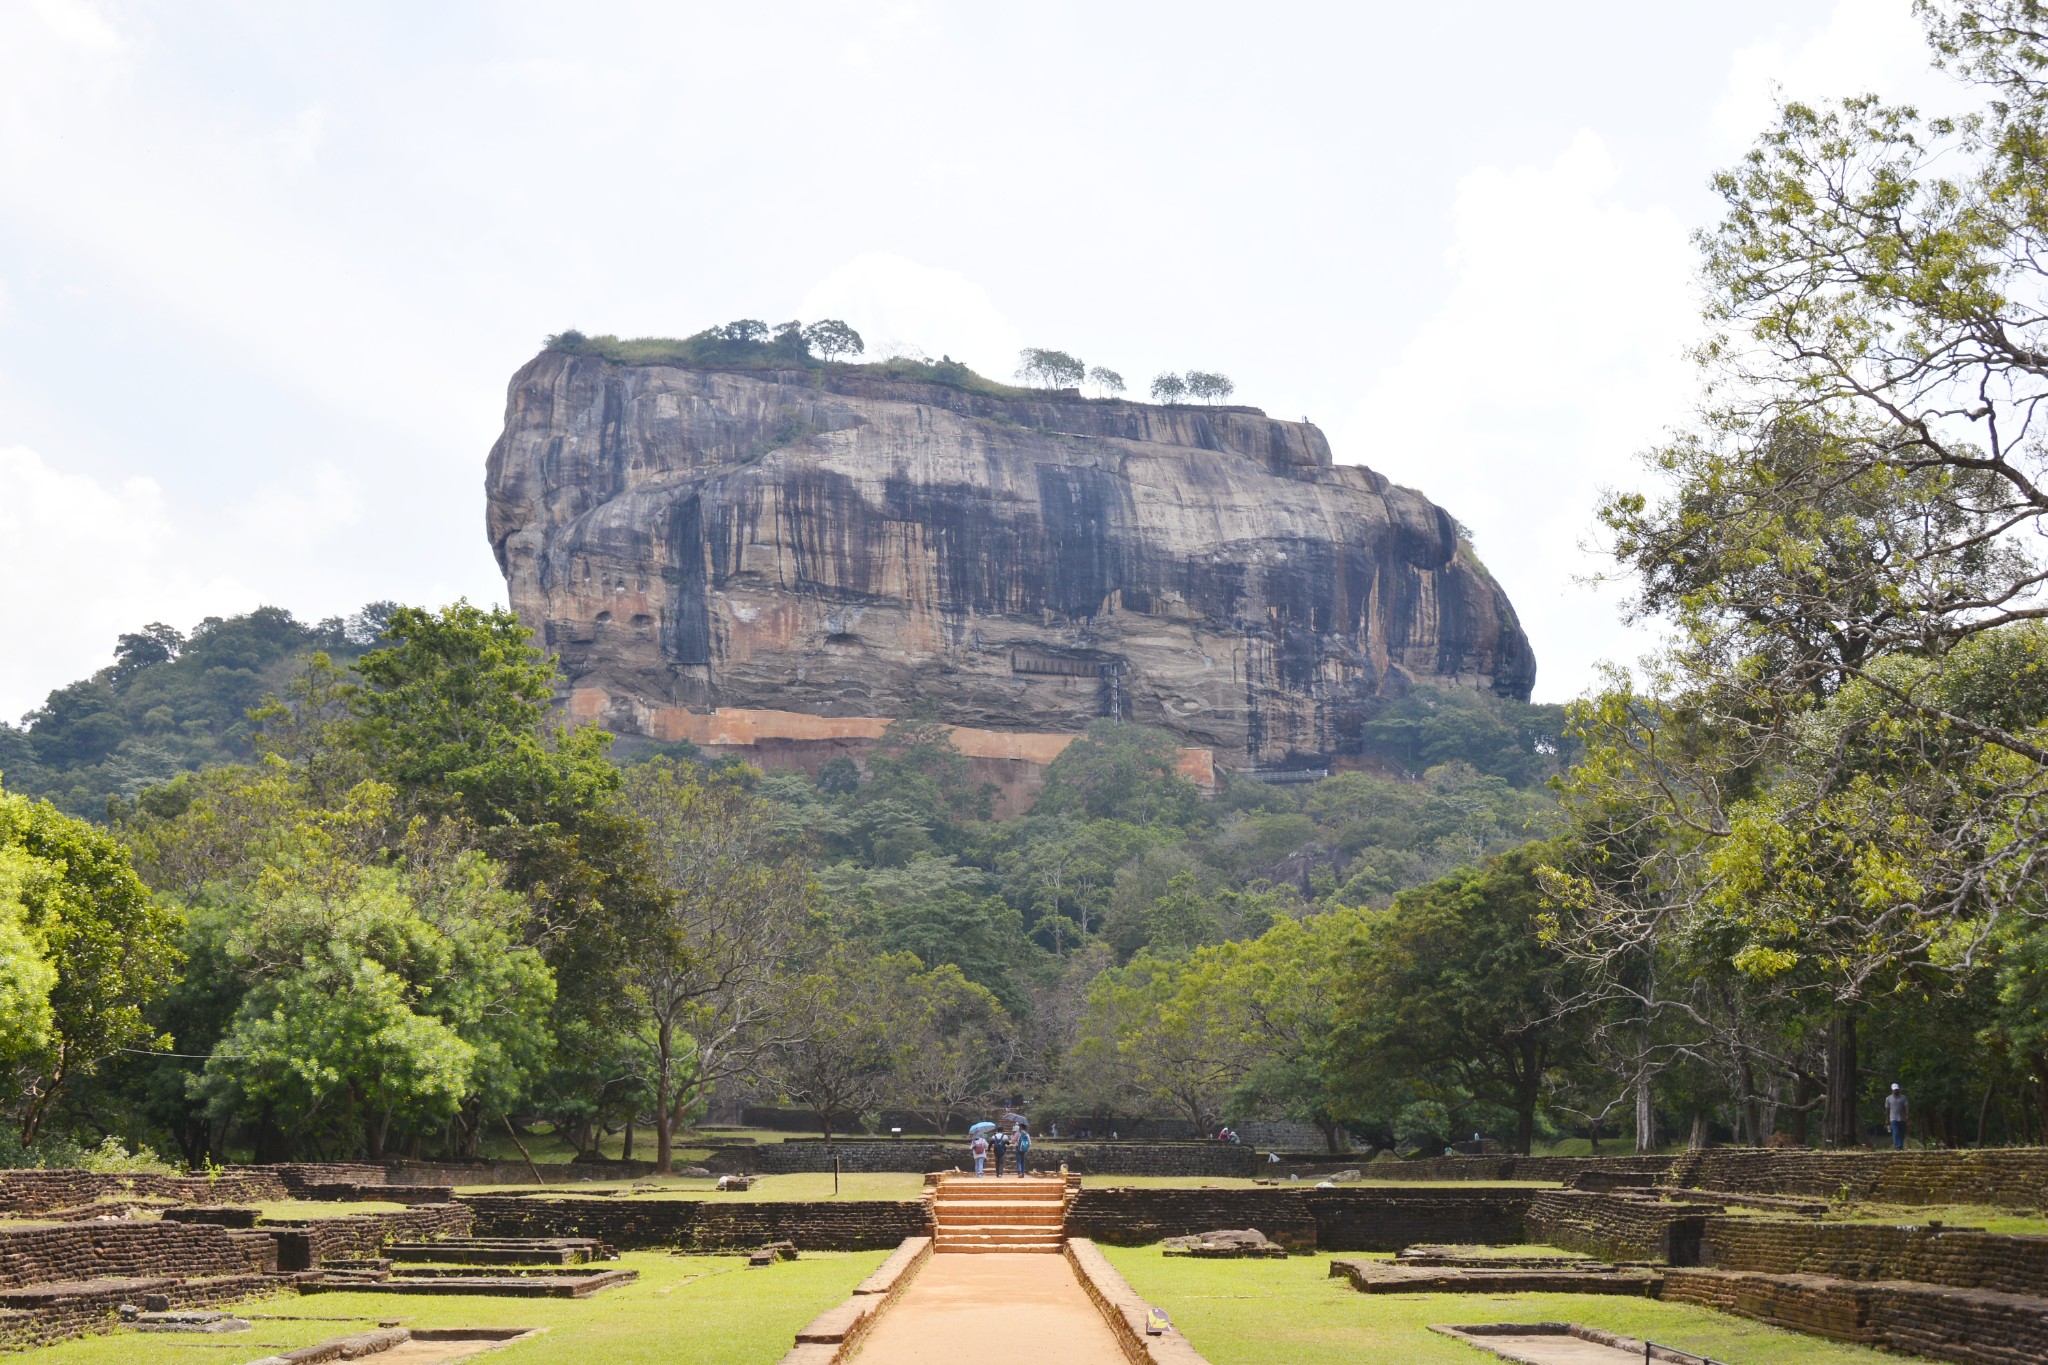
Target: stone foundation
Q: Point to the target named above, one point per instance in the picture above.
(703, 1224)
(1301, 1220)
(1972, 1326)
(1958, 1259)
(1618, 1227)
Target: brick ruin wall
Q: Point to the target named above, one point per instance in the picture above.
(1973, 1327)
(303, 1243)
(27, 1321)
(58, 1280)
(1328, 1220)
(1617, 1227)
(1959, 1258)
(1554, 1168)
(2011, 1177)
(2005, 1177)
(37, 1191)
(95, 1251)
(703, 1224)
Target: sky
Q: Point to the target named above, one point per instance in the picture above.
(266, 269)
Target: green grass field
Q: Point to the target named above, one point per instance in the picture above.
(684, 1310)
(1291, 1313)
(805, 1185)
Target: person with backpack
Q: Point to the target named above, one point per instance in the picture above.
(980, 1149)
(998, 1143)
(1023, 1149)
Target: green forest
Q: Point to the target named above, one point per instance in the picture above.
(274, 890)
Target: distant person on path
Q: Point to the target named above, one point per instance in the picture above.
(1895, 1116)
(1023, 1150)
(997, 1145)
(980, 1149)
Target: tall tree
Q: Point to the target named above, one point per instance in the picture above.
(82, 920)
(1456, 979)
(710, 978)
(858, 1031)
(831, 338)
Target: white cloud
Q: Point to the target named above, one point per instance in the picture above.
(290, 516)
(78, 23)
(897, 303)
(84, 561)
(1864, 46)
(1555, 356)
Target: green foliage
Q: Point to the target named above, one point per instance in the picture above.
(747, 345)
(1455, 986)
(113, 1158)
(1044, 369)
(168, 704)
(1122, 772)
(84, 923)
(26, 973)
(1520, 743)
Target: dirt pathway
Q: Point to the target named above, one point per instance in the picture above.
(994, 1306)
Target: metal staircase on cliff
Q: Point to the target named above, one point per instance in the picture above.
(987, 1213)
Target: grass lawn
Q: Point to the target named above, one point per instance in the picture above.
(1291, 1313)
(1951, 1215)
(684, 1310)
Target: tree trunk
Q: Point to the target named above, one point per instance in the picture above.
(1529, 1089)
(665, 1104)
(1329, 1131)
(1646, 1116)
(626, 1148)
(1841, 1128)
(1752, 1108)
(2041, 1090)
(1802, 1106)
(1593, 1136)
(1701, 1136)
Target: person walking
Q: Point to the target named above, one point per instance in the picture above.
(1023, 1149)
(1895, 1116)
(980, 1149)
(998, 1144)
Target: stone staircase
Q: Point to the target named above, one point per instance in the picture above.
(971, 1214)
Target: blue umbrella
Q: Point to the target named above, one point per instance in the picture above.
(983, 1127)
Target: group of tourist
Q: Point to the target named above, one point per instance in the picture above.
(998, 1144)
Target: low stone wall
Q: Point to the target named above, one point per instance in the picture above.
(1618, 1227)
(919, 1156)
(351, 1193)
(29, 1318)
(1959, 1259)
(703, 1224)
(94, 1250)
(303, 1243)
(1126, 1313)
(1972, 1326)
(1560, 1169)
(29, 1192)
(1329, 1220)
(2007, 1177)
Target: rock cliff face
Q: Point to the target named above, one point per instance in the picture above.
(837, 544)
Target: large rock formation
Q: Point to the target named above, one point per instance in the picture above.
(837, 544)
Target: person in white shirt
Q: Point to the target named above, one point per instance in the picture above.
(1895, 1116)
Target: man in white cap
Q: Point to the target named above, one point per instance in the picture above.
(1895, 1115)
